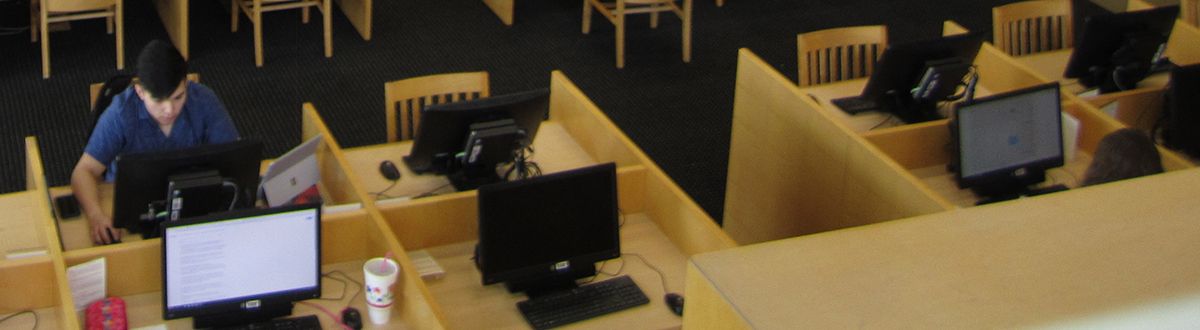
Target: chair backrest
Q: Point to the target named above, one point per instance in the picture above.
(839, 54)
(57, 6)
(406, 98)
(1030, 27)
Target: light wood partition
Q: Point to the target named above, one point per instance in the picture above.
(1184, 46)
(1116, 255)
(32, 267)
(503, 10)
(358, 12)
(174, 16)
(794, 170)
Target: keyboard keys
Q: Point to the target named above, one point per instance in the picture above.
(585, 302)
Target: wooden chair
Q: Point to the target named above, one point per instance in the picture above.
(255, 8)
(615, 12)
(406, 98)
(838, 54)
(1029, 27)
(44, 12)
(1189, 11)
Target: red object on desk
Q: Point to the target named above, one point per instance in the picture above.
(106, 314)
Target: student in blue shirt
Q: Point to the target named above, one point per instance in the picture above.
(161, 111)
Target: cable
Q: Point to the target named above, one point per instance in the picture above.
(522, 166)
(885, 120)
(348, 278)
(430, 192)
(236, 193)
(661, 277)
(30, 312)
(383, 193)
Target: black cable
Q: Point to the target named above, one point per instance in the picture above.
(522, 166)
(345, 286)
(661, 277)
(30, 312)
(430, 192)
(383, 193)
(885, 120)
(348, 278)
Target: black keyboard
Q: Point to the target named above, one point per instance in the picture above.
(307, 322)
(856, 104)
(585, 302)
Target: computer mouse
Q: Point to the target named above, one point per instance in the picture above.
(389, 170)
(674, 302)
(351, 318)
(112, 239)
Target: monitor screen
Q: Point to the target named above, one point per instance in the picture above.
(1181, 129)
(143, 179)
(548, 228)
(443, 130)
(1115, 51)
(239, 262)
(904, 66)
(1008, 140)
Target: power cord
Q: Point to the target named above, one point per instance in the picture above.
(431, 192)
(661, 277)
(345, 286)
(522, 166)
(30, 312)
(383, 193)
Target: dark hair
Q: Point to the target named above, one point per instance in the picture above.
(1123, 154)
(160, 69)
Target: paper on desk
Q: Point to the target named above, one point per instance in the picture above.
(1111, 108)
(87, 282)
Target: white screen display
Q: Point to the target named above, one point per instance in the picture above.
(1012, 131)
(228, 259)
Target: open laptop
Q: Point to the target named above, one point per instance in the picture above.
(293, 178)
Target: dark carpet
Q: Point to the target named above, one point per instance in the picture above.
(679, 113)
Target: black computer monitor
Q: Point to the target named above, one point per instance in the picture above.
(241, 267)
(1181, 122)
(912, 77)
(1115, 51)
(466, 140)
(175, 184)
(541, 234)
(1006, 142)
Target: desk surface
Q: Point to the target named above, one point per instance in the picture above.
(473, 306)
(558, 152)
(20, 227)
(146, 309)
(1063, 257)
(1051, 66)
(861, 122)
(942, 181)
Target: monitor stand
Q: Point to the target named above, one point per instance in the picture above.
(542, 285)
(262, 313)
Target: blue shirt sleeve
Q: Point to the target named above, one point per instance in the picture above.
(218, 125)
(108, 138)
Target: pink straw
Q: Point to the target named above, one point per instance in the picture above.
(383, 265)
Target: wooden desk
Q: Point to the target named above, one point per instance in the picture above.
(20, 229)
(1051, 66)
(1055, 259)
(554, 151)
(491, 307)
(145, 309)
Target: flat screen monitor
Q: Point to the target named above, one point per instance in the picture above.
(181, 183)
(1181, 126)
(912, 77)
(543, 233)
(468, 139)
(1006, 142)
(241, 267)
(1115, 51)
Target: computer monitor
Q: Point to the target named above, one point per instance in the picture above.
(241, 267)
(1006, 142)
(912, 77)
(541, 234)
(175, 184)
(1115, 51)
(467, 140)
(1181, 122)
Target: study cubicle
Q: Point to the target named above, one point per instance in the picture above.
(32, 270)
(660, 223)
(843, 171)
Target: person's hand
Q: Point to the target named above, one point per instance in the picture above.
(101, 227)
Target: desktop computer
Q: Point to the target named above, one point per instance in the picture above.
(1118, 50)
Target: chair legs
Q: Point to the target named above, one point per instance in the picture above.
(618, 20)
(257, 20)
(587, 16)
(620, 32)
(44, 28)
(327, 19)
(255, 14)
(687, 31)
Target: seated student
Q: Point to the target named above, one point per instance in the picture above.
(162, 111)
(1123, 154)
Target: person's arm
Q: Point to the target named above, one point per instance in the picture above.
(84, 181)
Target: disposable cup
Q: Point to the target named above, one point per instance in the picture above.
(380, 276)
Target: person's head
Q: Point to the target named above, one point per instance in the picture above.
(161, 85)
(1123, 154)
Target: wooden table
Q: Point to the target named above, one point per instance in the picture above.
(1062, 259)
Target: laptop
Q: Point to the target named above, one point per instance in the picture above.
(293, 178)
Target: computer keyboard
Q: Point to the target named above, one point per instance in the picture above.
(584, 302)
(307, 322)
(855, 104)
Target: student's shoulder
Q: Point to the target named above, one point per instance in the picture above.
(195, 89)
